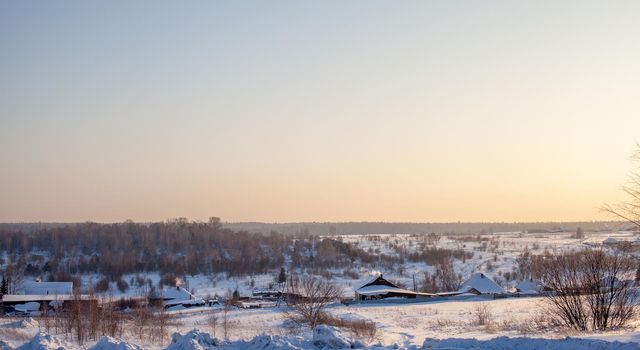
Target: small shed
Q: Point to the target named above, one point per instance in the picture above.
(530, 286)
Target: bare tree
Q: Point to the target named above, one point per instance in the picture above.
(225, 318)
(629, 209)
(590, 289)
(141, 320)
(446, 275)
(579, 233)
(482, 314)
(308, 297)
(212, 321)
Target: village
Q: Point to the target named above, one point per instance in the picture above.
(41, 297)
(488, 298)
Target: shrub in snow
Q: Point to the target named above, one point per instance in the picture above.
(28, 323)
(42, 341)
(108, 343)
(505, 343)
(193, 340)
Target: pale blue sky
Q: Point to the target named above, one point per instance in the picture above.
(327, 110)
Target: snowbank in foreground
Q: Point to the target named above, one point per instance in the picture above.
(108, 343)
(193, 340)
(197, 340)
(505, 343)
(42, 341)
(329, 338)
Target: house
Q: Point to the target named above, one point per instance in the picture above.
(176, 296)
(42, 296)
(610, 241)
(530, 286)
(480, 284)
(376, 287)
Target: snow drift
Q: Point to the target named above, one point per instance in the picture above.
(505, 343)
(108, 343)
(42, 341)
(193, 340)
(29, 323)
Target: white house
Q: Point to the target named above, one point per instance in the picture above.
(480, 284)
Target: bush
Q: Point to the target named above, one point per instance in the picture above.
(130, 303)
(590, 289)
(168, 279)
(359, 328)
(482, 315)
(102, 285)
(123, 286)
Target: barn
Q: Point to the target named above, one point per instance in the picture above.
(376, 287)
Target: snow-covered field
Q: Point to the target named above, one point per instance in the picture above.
(406, 325)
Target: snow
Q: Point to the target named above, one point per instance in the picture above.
(529, 286)
(267, 342)
(193, 340)
(363, 282)
(29, 323)
(42, 341)
(108, 343)
(482, 284)
(330, 337)
(38, 297)
(27, 307)
(177, 293)
(505, 343)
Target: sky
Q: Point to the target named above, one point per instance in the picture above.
(286, 111)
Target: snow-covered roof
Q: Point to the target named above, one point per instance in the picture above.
(15, 298)
(481, 283)
(529, 285)
(178, 293)
(610, 240)
(44, 288)
(367, 280)
(384, 290)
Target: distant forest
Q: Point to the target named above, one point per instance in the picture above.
(179, 247)
(59, 252)
(357, 228)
